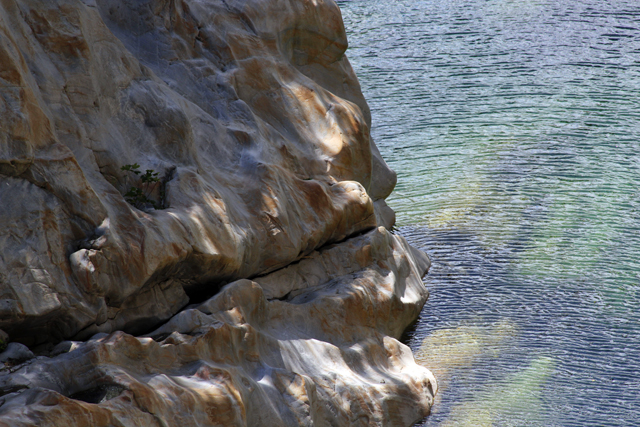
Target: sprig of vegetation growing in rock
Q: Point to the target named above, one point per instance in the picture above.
(139, 196)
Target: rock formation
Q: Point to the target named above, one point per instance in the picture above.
(308, 345)
(254, 122)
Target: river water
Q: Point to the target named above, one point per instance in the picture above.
(514, 126)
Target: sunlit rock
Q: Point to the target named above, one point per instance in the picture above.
(152, 152)
(248, 111)
(312, 344)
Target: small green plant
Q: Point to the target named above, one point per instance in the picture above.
(139, 196)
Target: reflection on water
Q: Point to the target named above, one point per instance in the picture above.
(447, 350)
(514, 126)
(517, 402)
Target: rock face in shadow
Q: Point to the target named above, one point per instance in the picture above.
(249, 112)
(156, 153)
(312, 344)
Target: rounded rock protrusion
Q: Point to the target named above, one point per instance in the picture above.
(16, 353)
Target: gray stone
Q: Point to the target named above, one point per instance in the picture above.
(64, 347)
(16, 353)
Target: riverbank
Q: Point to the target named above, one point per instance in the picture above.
(195, 222)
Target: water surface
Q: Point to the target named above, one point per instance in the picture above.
(514, 127)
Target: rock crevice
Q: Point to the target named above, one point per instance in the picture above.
(266, 163)
(254, 121)
(326, 355)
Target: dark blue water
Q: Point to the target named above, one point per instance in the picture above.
(514, 127)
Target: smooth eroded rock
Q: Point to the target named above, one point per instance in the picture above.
(312, 344)
(248, 111)
(16, 353)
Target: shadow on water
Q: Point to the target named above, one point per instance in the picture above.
(465, 335)
(516, 338)
(514, 128)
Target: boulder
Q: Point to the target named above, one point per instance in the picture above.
(312, 344)
(193, 221)
(16, 353)
(248, 112)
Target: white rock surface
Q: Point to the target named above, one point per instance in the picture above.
(253, 119)
(247, 109)
(313, 344)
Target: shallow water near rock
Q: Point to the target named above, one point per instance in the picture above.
(515, 131)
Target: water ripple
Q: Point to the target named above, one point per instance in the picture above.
(515, 130)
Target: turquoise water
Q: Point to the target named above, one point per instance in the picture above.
(514, 127)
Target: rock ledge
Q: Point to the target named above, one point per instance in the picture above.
(314, 344)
